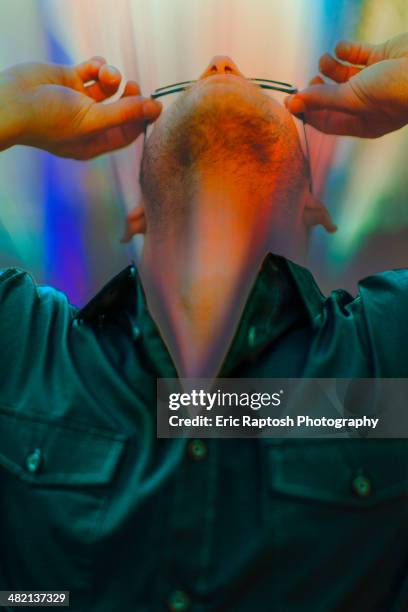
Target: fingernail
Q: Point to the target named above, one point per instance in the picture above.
(113, 73)
(151, 109)
(97, 61)
(112, 69)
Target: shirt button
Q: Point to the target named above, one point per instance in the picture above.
(178, 601)
(33, 461)
(136, 332)
(361, 486)
(197, 450)
(252, 336)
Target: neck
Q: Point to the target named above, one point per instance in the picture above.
(198, 276)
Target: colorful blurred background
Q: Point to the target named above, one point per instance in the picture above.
(62, 220)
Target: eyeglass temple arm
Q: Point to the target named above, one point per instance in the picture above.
(263, 83)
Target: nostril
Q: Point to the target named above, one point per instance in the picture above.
(227, 68)
(213, 68)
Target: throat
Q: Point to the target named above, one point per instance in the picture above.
(198, 273)
(206, 315)
(196, 294)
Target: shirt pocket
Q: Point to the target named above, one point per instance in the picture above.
(349, 473)
(55, 477)
(337, 511)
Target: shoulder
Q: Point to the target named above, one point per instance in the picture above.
(35, 322)
(18, 288)
(386, 290)
(381, 288)
(378, 294)
(26, 306)
(378, 316)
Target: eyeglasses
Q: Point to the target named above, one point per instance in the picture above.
(276, 86)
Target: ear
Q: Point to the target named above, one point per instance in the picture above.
(315, 213)
(135, 224)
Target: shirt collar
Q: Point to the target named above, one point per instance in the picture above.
(283, 292)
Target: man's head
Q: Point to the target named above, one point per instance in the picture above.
(223, 129)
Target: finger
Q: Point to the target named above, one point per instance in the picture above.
(109, 77)
(131, 89)
(316, 80)
(107, 83)
(319, 97)
(111, 140)
(125, 111)
(355, 52)
(335, 70)
(334, 122)
(88, 71)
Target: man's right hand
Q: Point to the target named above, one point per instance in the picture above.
(368, 92)
(61, 108)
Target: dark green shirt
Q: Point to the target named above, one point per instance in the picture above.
(93, 502)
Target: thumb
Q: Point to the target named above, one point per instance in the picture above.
(127, 110)
(335, 97)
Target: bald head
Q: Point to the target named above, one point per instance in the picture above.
(225, 128)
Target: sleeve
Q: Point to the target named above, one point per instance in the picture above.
(34, 321)
(384, 301)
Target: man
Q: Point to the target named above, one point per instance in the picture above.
(224, 181)
(92, 501)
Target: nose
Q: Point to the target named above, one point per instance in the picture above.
(221, 64)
